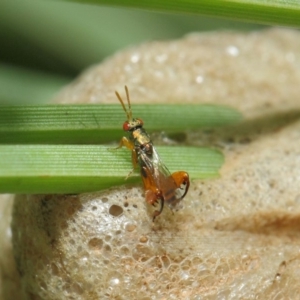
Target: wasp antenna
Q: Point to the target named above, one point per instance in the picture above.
(128, 100)
(123, 105)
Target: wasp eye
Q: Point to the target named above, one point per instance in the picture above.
(126, 126)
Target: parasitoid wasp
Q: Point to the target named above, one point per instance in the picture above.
(159, 183)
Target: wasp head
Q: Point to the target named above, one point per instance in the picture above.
(132, 124)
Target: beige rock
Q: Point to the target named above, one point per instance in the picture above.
(237, 236)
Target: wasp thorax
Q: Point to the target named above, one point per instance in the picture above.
(132, 124)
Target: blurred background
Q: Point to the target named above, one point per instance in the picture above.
(46, 44)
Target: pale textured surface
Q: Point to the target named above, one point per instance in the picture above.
(248, 71)
(237, 236)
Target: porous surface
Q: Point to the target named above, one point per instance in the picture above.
(237, 236)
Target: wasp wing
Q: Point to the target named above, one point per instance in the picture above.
(157, 176)
(155, 167)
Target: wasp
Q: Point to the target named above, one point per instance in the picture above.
(159, 184)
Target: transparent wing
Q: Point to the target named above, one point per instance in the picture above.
(158, 170)
(156, 175)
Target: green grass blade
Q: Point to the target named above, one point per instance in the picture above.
(73, 169)
(19, 85)
(86, 124)
(271, 12)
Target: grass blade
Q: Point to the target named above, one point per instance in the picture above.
(86, 124)
(79, 168)
(271, 12)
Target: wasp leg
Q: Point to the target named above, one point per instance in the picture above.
(134, 160)
(124, 142)
(182, 182)
(129, 145)
(152, 197)
(158, 212)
